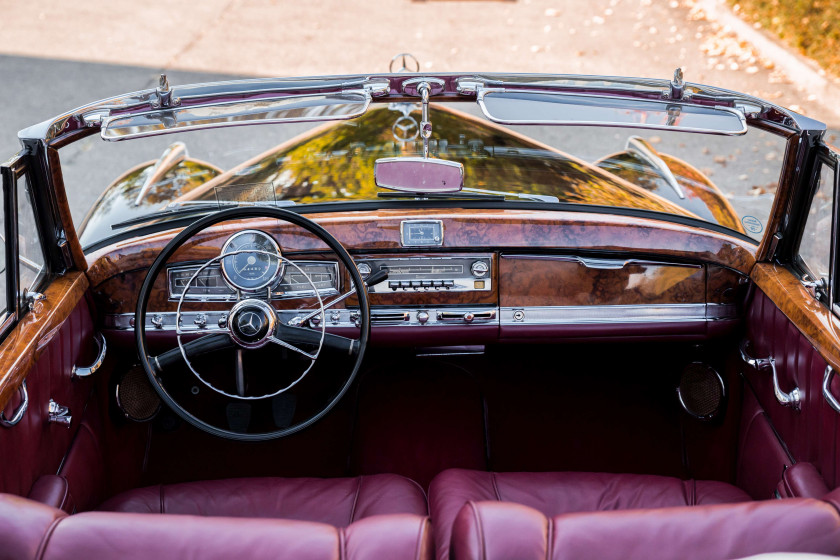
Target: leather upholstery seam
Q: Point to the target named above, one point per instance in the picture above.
(422, 491)
(162, 502)
(66, 493)
(45, 541)
(418, 547)
(496, 487)
(549, 538)
(356, 499)
(482, 550)
(342, 544)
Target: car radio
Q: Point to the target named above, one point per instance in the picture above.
(471, 273)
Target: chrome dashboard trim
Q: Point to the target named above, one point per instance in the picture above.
(605, 314)
(200, 322)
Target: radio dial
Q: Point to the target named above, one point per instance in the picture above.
(479, 269)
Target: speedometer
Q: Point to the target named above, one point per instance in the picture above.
(252, 261)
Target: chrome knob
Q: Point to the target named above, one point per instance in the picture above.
(469, 316)
(335, 316)
(315, 321)
(364, 270)
(479, 269)
(223, 321)
(422, 317)
(157, 321)
(200, 320)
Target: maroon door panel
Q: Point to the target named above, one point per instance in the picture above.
(34, 446)
(811, 432)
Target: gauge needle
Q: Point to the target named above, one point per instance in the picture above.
(240, 374)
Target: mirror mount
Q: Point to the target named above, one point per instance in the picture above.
(420, 175)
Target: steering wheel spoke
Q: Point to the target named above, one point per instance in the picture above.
(286, 336)
(192, 349)
(288, 346)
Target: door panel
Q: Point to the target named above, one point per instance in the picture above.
(786, 322)
(42, 349)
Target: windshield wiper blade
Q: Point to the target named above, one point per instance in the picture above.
(468, 193)
(442, 196)
(193, 208)
(524, 196)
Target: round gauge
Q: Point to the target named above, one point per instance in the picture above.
(253, 262)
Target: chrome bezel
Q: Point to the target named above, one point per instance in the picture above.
(277, 273)
(438, 223)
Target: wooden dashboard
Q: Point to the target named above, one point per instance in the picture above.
(552, 275)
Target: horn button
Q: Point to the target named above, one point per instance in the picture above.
(251, 323)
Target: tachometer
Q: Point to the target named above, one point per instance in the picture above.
(253, 262)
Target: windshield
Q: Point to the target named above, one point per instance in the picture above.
(724, 180)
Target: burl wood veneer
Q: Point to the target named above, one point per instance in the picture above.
(538, 280)
(24, 344)
(819, 325)
(483, 230)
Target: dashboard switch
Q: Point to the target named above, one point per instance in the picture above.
(422, 317)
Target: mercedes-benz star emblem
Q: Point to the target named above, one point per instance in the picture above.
(406, 60)
(405, 129)
(249, 323)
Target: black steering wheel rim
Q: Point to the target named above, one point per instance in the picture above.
(233, 214)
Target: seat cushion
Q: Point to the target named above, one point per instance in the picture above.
(335, 501)
(29, 530)
(556, 493)
(496, 531)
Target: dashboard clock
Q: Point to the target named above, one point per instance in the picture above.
(421, 233)
(251, 261)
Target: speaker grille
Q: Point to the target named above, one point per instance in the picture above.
(701, 391)
(136, 397)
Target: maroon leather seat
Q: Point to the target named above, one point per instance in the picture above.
(335, 501)
(29, 530)
(502, 531)
(556, 493)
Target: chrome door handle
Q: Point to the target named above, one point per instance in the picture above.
(792, 399)
(21, 409)
(826, 388)
(90, 370)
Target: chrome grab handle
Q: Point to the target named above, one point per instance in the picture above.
(792, 399)
(90, 370)
(21, 409)
(826, 388)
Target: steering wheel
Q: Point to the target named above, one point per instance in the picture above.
(252, 325)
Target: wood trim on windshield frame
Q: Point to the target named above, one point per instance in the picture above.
(24, 344)
(63, 205)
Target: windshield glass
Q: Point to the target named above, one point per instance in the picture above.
(725, 180)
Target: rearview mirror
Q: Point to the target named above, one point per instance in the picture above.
(418, 175)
